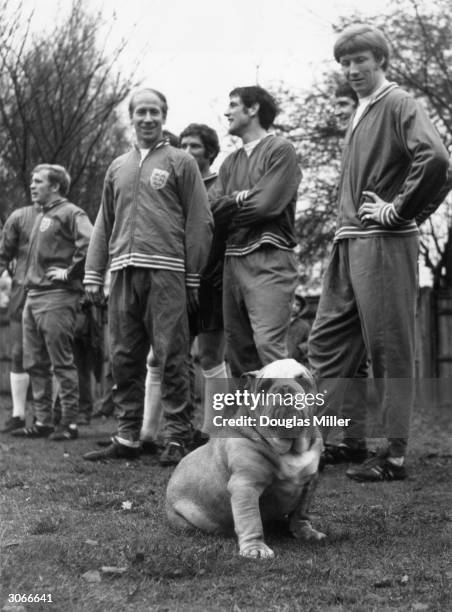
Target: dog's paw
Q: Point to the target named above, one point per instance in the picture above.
(256, 550)
(303, 530)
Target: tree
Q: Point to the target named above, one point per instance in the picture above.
(59, 95)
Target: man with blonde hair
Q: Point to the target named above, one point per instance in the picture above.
(55, 260)
(394, 164)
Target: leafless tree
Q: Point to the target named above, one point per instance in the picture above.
(59, 95)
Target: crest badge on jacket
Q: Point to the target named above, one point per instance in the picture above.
(158, 178)
(45, 224)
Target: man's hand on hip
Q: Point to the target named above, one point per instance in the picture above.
(57, 274)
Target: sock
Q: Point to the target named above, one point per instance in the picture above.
(396, 460)
(215, 381)
(152, 405)
(19, 388)
(126, 442)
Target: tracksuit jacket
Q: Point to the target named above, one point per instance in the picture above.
(14, 245)
(394, 152)
(154, 214)
(271, 174)
(59, 238)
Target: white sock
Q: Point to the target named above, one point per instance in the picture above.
(19, 387)
(215, 381)
(126, 442)
(152, 412)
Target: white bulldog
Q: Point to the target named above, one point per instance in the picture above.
(257, 473)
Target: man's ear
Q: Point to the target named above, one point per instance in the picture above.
(253, 109)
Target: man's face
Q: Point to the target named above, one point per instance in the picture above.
(238, 116)
(344, 107)
(195, 147)
(147, 119)
(363, 72)
(41, 189)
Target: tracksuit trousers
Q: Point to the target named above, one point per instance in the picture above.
(368, 303)
(258, 290)
(147, 306)
(48, 335)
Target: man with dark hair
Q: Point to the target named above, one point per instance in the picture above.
(254, 200)
(155, 226)
(54, 268)
(201, 141)
(393, 165)
(267, 109)
(345, 103)
(352, 448)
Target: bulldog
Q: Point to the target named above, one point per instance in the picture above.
(264, 469)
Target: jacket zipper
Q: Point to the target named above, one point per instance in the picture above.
(135, 201)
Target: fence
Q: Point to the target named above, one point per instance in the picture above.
(433, 336)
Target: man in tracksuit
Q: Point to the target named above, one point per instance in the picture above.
(394, 164)
(54, 268)
(201, 142)
(255, 198)
(14, 247)
(154, 226)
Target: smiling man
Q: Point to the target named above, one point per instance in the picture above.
(394, 164)
(154, 226)
(254, 200)
(345, 103)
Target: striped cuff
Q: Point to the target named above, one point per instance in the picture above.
(192, 281)
(240, 197)
(93, 278)
(390, 218)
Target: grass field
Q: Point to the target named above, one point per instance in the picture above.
(95, 537)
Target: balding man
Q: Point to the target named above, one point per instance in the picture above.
(154, 227)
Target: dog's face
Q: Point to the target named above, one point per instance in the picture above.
(282, 413)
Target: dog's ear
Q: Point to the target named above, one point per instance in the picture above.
(248, 379)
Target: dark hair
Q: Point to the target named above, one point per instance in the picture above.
(171, 138)
(207, 136)
(344, 90)
(160, 96)
(361, 37)
(57, 175)
(268, 109)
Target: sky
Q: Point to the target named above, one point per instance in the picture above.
(196, 51)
